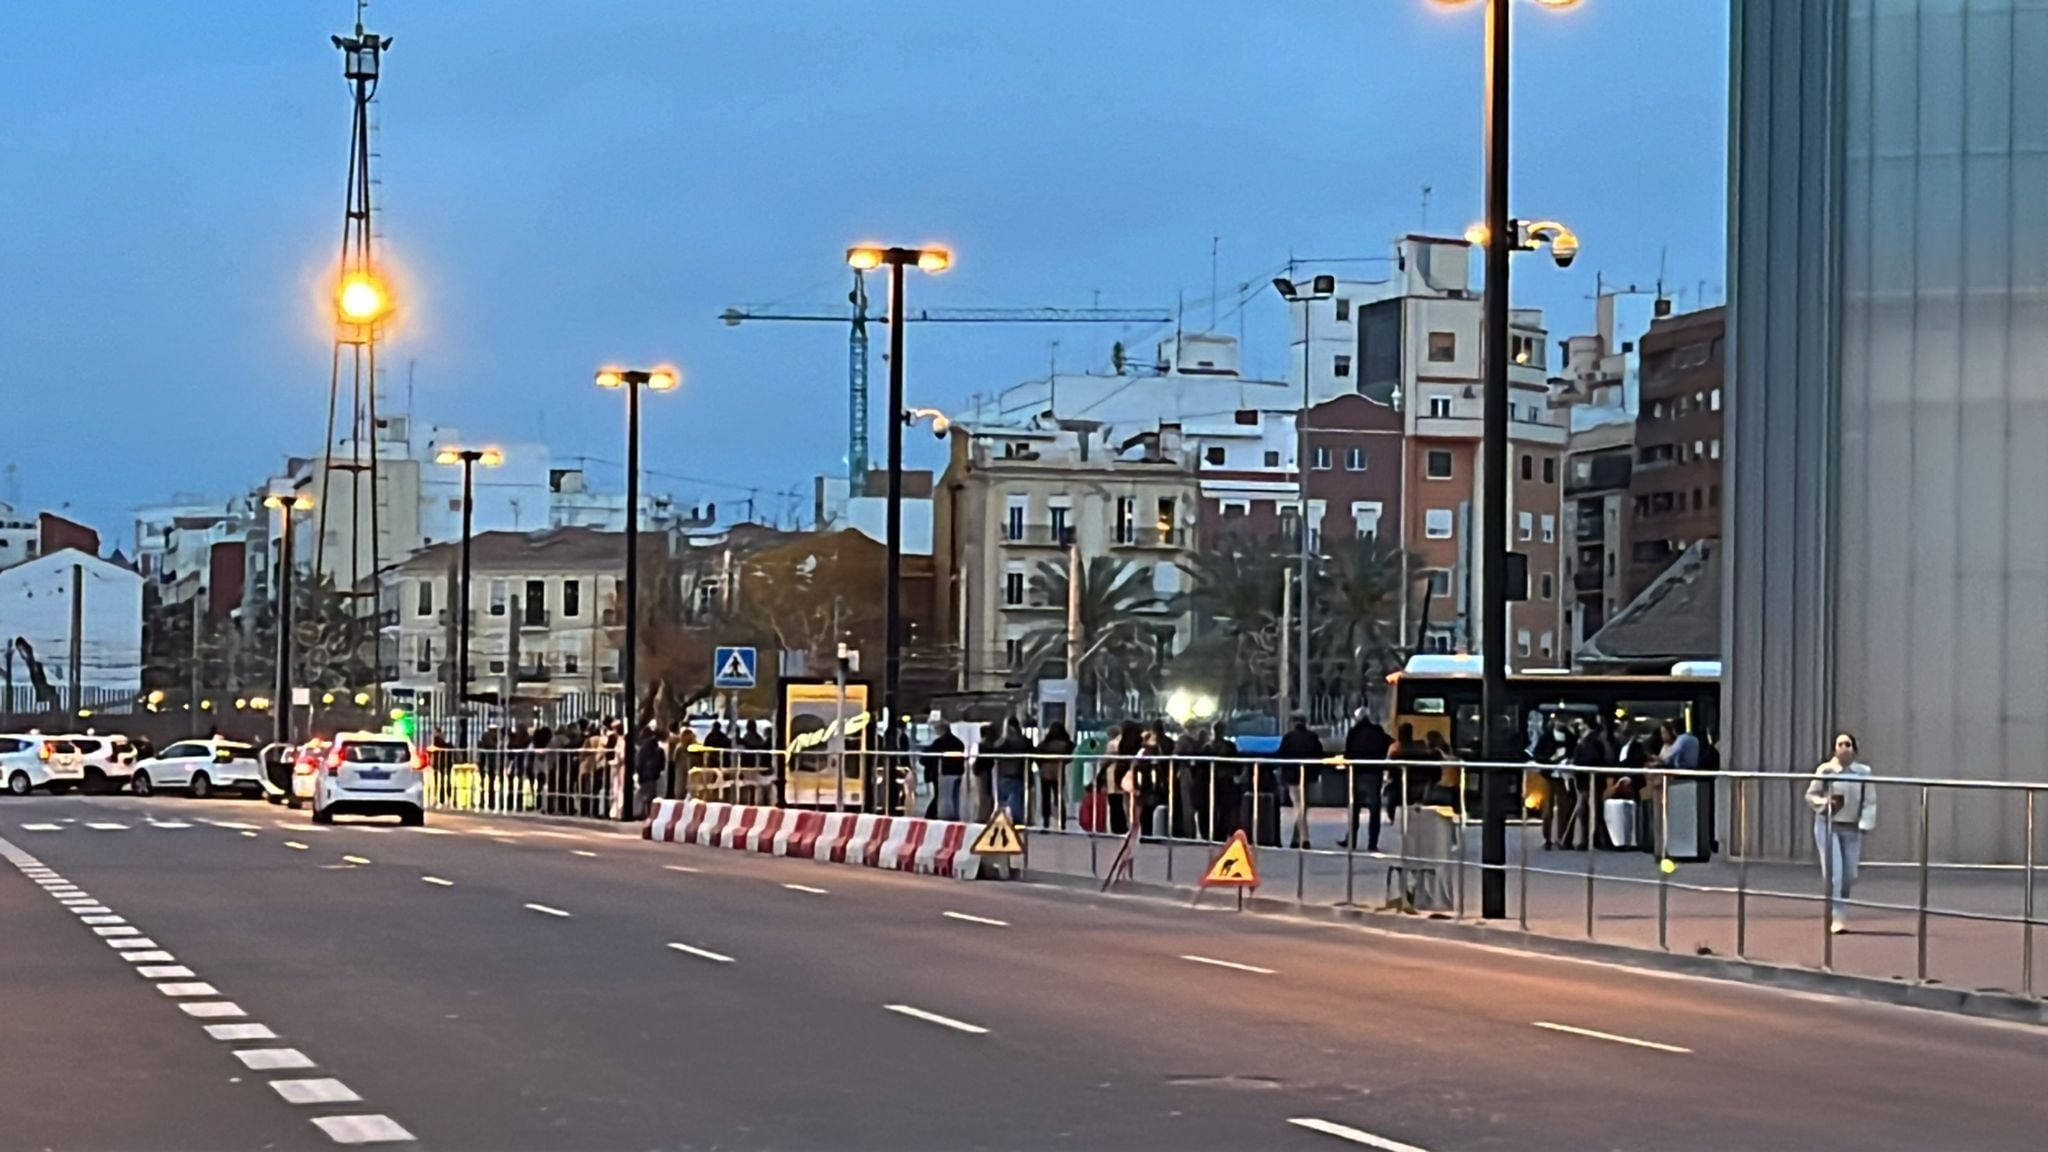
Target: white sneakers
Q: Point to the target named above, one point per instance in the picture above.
(1837, 927)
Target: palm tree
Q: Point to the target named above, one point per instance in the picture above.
(1358, 613)
(1120, 627)
(1234, 598)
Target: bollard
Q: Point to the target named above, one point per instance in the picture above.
(1920, 925)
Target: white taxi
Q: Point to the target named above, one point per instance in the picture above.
(370, 774)
(33, 760)
(201, 768)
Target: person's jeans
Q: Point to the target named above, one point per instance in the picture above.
(1010, 795)
(949, 797)
(1841, 854)
(1366, 793)
(1297, 798)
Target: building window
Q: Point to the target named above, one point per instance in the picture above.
(1656, 409)
(1439, 582)
(1438, 642)
(425, 660)
(1545, 587)
(1525, 525)
(1062, 532)
(1013, 519)
(1440, 407)
(1322, 459)
(1550, 469)
(571, 663)
(1163, 521)
(572, 598)
(1699, 500)
(1443, 347)
(1549, 528)
(1436, 524)
(1522, 641)
(425, 607)
(1341, 366)
(1013, 587)
(1236, 508)
(1714, 400)
(1013, 651)
(1699, 449)
(497, 667)
(1714, 496)
(499, 592)
(1126, 520)
(1547, 642)
(1272, 458)
(1713, 450)
(536, 606)
(1528, 466)
(1365, 514)
(1343, 311)
(1437, 465)
(1213, 454)
(1354, 460)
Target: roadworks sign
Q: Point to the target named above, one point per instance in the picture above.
(1234, 867)
(1000, 838)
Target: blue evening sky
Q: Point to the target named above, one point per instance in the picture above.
(566, 183)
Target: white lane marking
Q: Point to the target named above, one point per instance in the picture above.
(295, 846)
(155, 823)
(240, 1031)
(105, 826)
(213, 1009)
(935, 1018)
(104, 917)
(148, 957)
(118, 930)
(162, 971)
(805, 888)
(124, 943)
(1229, 964)
(94, 908)
(354, 860)
(1352, 1134)
(714, 957)
(233, 824)
(314, 1091)
(976, 919)
(42, 827)
(273, 1059)
(424, 832)
(193, 988)
(681, 868)
(1629, 1040)
(547, 910)
(557, 835)
(583, 852)
(438, 882)
(249, 834)
(79, 901)
(372, 1129)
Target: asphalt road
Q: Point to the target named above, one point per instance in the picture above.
(514, 985)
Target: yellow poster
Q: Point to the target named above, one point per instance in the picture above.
(813, 716)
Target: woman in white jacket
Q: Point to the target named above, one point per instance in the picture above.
(1844, 807)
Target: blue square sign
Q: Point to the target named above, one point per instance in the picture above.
(732, 668)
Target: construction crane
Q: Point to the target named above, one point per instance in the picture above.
(857, 345)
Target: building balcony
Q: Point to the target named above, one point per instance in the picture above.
(609, 618)
(1040, 536)
(1151, 538)
(1033, 604)
(534, 618)
(1590, 530)
(1588, 581)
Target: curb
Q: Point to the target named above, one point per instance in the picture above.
(2000, 1006)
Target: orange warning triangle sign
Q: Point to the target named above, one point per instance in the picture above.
(1000, 838)
(1234, 865)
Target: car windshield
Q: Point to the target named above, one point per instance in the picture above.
(378, 752)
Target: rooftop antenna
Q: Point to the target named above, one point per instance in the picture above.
(1426, 190)
(1215, 245)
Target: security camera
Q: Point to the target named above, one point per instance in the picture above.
(1564, 250)
(940, 426)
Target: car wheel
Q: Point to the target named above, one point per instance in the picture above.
(294, 802)
(139, 783)
(200, 787)
(321, 816)
(413, 817)
(96, 781)
(17, 784)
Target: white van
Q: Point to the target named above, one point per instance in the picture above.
(32, 761)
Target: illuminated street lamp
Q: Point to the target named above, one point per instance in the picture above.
(1500, 235)
(286, 503)
(1319, 288)
(932, 260)
(467, 459)
(662, 379)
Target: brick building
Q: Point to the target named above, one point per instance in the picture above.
(1676, 481)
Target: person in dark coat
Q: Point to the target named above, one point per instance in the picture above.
(1300, 754)
(1055, 750)
(945, 763)
(1228, 771)
(649, 761)
(1366, 748)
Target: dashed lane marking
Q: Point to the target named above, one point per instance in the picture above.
(437, 882)
(315, 1091)
(104, 917)
(584, 852)
(805, 888)
(702, 953)
(1231, 964)
(430, 832)
(935, 1018)
(545, 910)
(234, 825)
(371, 1129)
(124, 943)
(169, 824)
(42, 827)
(191, 988)
(162, 971)
(118, 930)
(249, 833)
(240, 1032)
(976, 919)
(272, 1059)
(355, 860)
(105, 826)
(682, 868)
(1609, 1036)
(1343, 1132)
(295, 846)
(148, 957)
(212, 1009)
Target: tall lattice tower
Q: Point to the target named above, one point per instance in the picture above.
(350, 497)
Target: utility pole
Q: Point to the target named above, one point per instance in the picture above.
(77, 638)
(1493, 469)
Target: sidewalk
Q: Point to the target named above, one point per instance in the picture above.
(1784, 914)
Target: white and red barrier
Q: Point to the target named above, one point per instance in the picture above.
(897, 843)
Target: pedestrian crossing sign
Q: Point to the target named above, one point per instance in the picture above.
(732, 668)
(1000, 838)
(1234, 866)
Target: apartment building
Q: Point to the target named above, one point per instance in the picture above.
(1676, 481)
(1598, 512)
(1015, 498)
(1248, 472)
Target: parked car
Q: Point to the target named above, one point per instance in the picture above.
(108, 761)
(200, 767)
(33, 761)
(369, 774)
(288, 771)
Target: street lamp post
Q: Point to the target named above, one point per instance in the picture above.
(633, 380)
(286, 503)
(1320, 288)
(931, 260)
(467, 459)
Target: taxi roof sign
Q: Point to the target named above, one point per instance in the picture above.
(1234, 866)
(1000, 838)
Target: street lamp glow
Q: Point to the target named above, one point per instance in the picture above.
(490, 458)
(865, 259)
(664, 379)
(294, 501)
(934, 260)
(1476, 234)
(361, 299)
(610, 378)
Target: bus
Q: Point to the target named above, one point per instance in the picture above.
(1441, 694)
